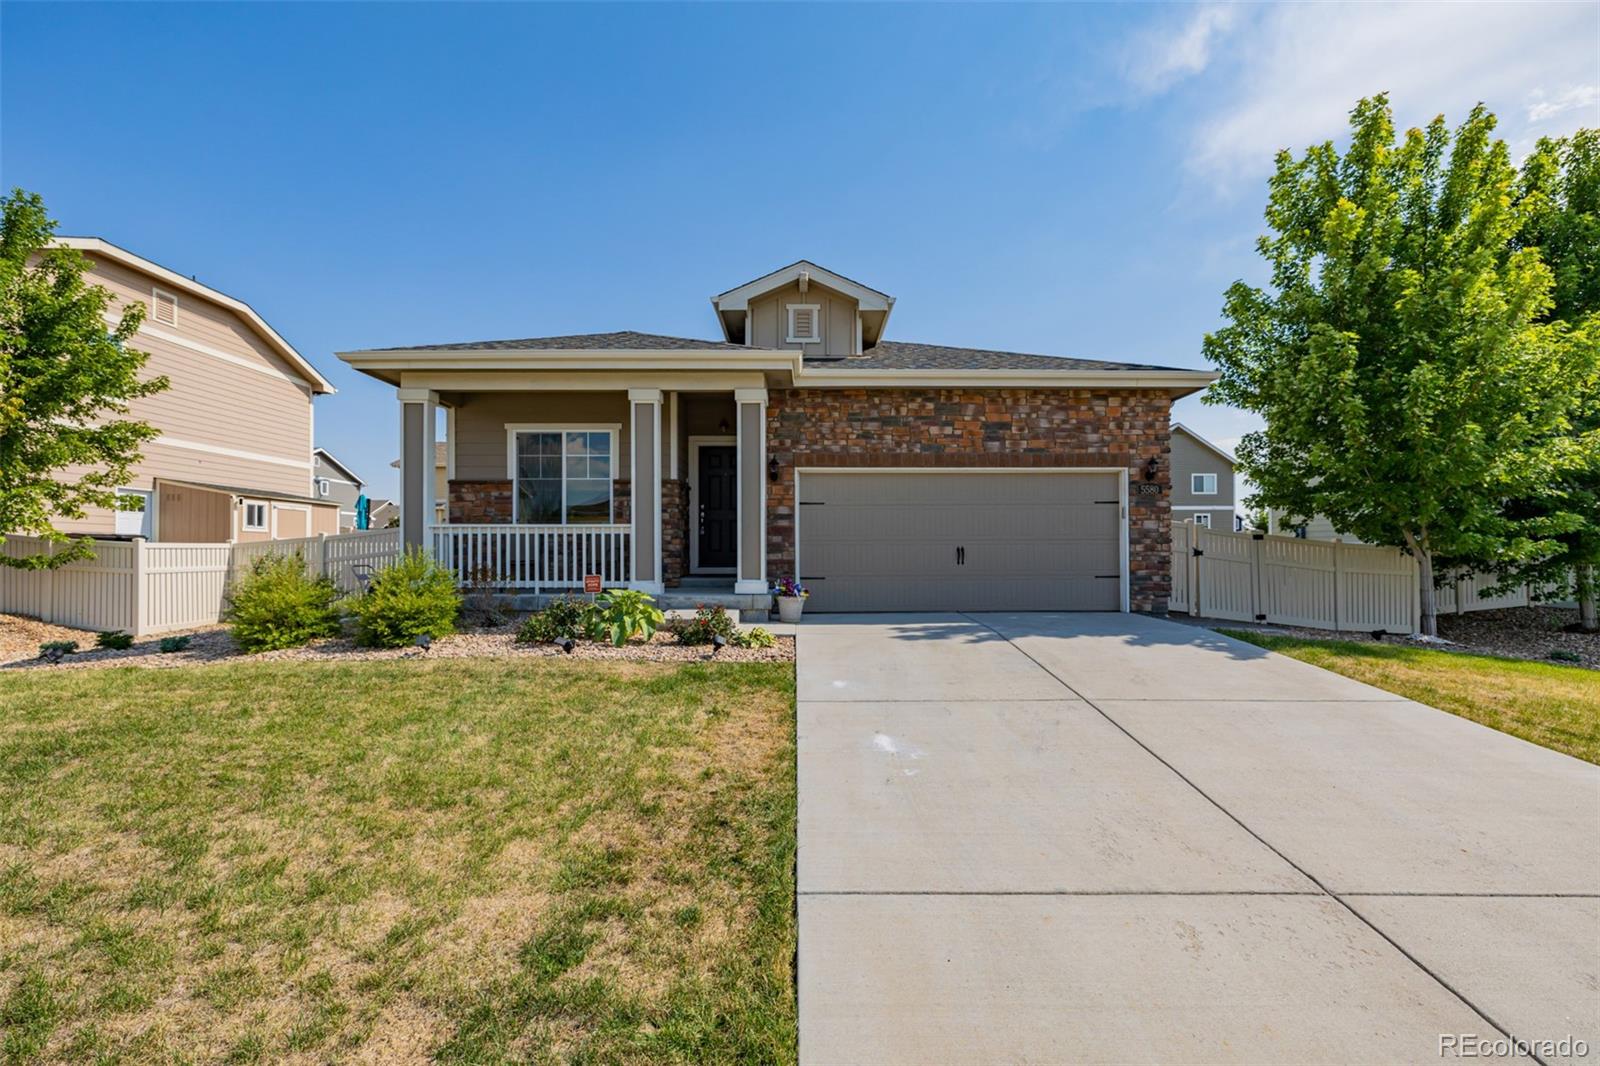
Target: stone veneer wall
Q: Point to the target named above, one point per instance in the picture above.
(980, 427)
(674, 531)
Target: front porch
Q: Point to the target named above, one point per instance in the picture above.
(646, 488)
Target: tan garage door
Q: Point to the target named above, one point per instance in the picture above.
(968, 541)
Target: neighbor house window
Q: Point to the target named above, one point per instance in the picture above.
(255, 516)
(322, 486)
(1203, 520)
(805, 323)
(1203, 484)
(563, 476)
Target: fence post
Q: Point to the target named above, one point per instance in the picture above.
(136, 593)
(1256, 578)
(322, 555)
(1338, 587)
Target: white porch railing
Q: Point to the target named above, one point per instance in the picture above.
(534, 557)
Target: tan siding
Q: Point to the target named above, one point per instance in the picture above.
(481, 421)
(770, 316)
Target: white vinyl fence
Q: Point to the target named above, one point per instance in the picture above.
(1252, 577)
(144, 588)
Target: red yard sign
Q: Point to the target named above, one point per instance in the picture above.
(591, 583)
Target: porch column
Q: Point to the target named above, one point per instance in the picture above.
(751, 405)
(644, 407)
(417, 415)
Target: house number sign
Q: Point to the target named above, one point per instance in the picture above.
(1147, 488)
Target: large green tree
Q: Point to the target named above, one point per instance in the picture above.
(1401, 353)
(1560, 202)
(66, 379)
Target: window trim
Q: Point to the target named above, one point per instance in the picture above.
(816, 324)
(613, 431)
(1203, 518)
(1195, 482)
(266, 517)
(156, 293)
(323, 486)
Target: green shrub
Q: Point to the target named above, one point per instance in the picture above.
(278, 605)
(412, 597)
(116, 640)
(58, 647)
(1562, 655)
(169, 645)
(626, 612)
(566, 617)
(755, 637)
(707, 623)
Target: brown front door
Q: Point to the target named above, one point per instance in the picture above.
(717, 510)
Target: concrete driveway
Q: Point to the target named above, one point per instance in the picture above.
(1058, 838)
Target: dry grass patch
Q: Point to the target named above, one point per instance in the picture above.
(1554, 706)
(398, 861)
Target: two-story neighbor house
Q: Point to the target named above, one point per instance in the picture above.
(1202, 481)
(332, 480)
(887, 475)
(233, 461)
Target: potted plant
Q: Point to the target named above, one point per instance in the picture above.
(791, 596)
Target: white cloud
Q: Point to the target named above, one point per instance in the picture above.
(1287, 76)
(1160, 57)
(1582, 97)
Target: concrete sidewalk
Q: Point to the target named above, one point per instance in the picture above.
(1056, 838)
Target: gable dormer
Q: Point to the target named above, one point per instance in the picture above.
(805, 307)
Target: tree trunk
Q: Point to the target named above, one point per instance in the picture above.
(1430, 601)
(1586, 597)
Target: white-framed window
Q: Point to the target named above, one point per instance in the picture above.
(1202, 519)
(133, 513)
(163, 307)
(255, 516)
(562, 475)
(322, 486)
(805, 324)
(1203, 484)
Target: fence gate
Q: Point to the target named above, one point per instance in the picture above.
(1226, 572)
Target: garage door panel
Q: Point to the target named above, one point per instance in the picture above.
(888, 541)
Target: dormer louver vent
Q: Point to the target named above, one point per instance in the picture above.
(164, 308)
(805, 326)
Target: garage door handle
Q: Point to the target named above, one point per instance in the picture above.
(961, 556)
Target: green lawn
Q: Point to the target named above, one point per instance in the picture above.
(1555, 706)
(468, 861)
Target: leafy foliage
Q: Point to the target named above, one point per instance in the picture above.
(707, 623)
(116, 640)
(65, 386)
(58, 647)
(624, 613)
(1402, 354)
(565, 617)
(172, 645)
(412, 597)
(278, 605)
(1560, 200)
(755, 637)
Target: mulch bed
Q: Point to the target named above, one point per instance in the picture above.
(20, 639)
(1510, 632)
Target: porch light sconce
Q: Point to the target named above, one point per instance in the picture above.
(722, 427)
(772, 468)
(1152, 468)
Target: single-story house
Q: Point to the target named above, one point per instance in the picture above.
(1202, 481)
(886, 475)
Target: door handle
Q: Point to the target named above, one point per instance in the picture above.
(961, 556)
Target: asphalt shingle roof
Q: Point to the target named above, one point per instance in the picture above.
(579, 342)
(886, 355)
(908, 355)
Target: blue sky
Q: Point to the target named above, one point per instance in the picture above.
(1077, 180)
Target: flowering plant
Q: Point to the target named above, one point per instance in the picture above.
(788, 586)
